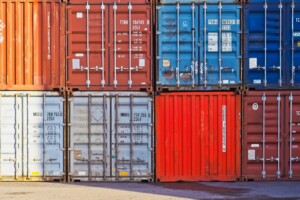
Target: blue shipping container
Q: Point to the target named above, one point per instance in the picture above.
(272, 44)
(196, 1)
(194, 50)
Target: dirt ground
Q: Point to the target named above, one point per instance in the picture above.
(147, 191)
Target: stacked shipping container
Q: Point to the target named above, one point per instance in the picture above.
(198, 49)
(109, 64)
(270, 141)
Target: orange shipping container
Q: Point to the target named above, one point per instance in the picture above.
(32, 45)
(198, 136)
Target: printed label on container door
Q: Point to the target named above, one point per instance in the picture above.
(252, 63)
(251, 154)
(226, 42)
(212, 42)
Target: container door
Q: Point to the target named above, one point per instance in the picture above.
(89, 137)
(293, 17)
(131, 137)
(292, 138)
(87, 46)
(178, 57)
(11, 138)
(130, 46)
(220, 52)
(264, 45)
(262, 137)
(44, 131)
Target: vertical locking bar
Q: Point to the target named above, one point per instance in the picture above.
(16, 136)
(130, 45)
(0, 136)
(291, 135)
(44, 135)
(293, 47)
(193, 45)
(27, 135)
(264, 137)
(116, 136)
(131, 136)
(220, 43)
(205, 47)
(102, 46)
(115, 45)
(278, 135)
(265, 48)
(89, 136)
(104, 137)
(280, 45)
(88, 82)
(178, 45)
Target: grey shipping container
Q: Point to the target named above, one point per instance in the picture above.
(110, 136)
(31, 136)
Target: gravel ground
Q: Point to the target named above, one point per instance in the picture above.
(146, 191)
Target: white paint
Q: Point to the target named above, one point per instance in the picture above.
(2, 25)
(254, 145)
(252, 63)
(257, 81)
(225, 81)
(212, 42)
(212, 21)
(79, 54)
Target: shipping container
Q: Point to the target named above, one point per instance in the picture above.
(194, 50)
(109, 46)
(31, 136)
(110, 136)
(272, 43)
(197, 136)
(32, 45)
(271, 139)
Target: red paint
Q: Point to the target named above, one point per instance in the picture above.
(276, 110)
(189, 143)
(141, 46)
(32, 52)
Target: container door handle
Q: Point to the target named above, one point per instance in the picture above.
(264, 137)
(278, 135)
(265, 49)
(205, 47)
(293, 47)
(178, 45)
(291, 135)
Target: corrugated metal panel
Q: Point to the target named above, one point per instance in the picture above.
(197, 136)
(32, 45)
(271, 45)
(109, 47)
(271, 139)
(110, 136)
(195, 51)
(31, 136)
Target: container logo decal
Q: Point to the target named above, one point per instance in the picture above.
(255, 106)
(166, 63)
(223, 128)
(296, 34)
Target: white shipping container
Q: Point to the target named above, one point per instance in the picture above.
(110, 136)
(31, 136)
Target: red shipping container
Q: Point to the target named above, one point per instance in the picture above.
(109, 46)
(32, 45)
(198, 136)
(271, 135)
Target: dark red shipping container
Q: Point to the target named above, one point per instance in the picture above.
(198, 136)
(32, 45)
(271, 135)
(109, 46)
